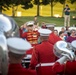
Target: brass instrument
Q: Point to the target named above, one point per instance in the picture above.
(8, 28)
(63, 51)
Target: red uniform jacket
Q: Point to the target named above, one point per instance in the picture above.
(31, 37)
(17, 69)
(68, 69)
(43, 53)
(53, 38)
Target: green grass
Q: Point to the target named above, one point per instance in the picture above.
(57, 21)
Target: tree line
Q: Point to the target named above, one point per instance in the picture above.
(26, 4)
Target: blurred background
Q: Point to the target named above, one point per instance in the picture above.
(44, 9)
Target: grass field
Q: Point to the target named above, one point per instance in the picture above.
(57, 21)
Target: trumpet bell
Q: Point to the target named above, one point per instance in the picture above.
(8, 26)
(60, 48)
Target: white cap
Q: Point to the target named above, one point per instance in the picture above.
(44, 32)
(18, 45)
(29, 23)
(72, 28)
(50, 25)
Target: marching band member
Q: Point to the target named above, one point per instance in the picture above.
(43, 57)
(52, 37)
(31, 35)
(67, 68)
(17, 48)
(8, 28)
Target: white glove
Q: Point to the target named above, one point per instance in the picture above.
(62, 60)
(70, 56)
(66, 57)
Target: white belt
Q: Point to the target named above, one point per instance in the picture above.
(45, 64)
